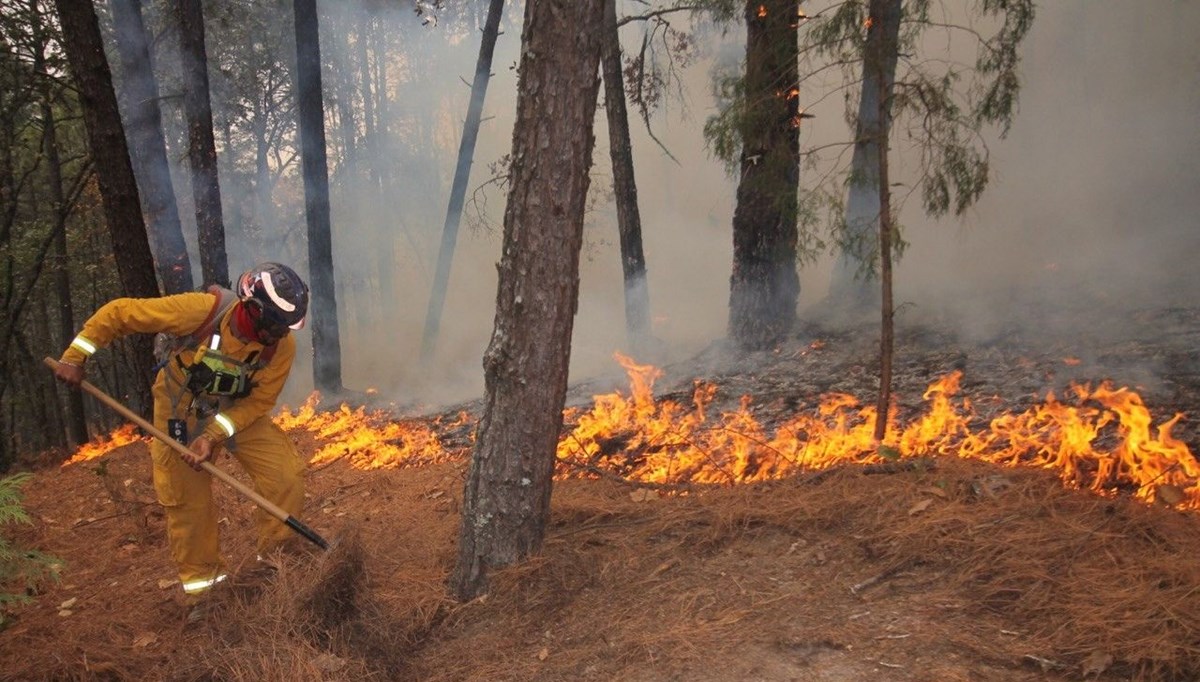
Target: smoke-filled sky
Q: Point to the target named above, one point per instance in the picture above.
(1092, 206)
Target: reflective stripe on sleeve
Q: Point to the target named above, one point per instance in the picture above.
(84, 345)
(226, 423)
(195, 586)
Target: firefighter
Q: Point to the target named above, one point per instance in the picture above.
(225, 356)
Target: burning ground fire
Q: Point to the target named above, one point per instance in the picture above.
(1104, 441)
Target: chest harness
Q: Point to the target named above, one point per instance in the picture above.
(212, 377)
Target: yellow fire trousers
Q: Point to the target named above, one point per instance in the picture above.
(277, 471)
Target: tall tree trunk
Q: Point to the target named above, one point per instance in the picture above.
(76, 426)
(462, 172)
(118, 188)
(235, 222)
(851, 289)
(264, 184)
(764, 286)
(202, 150)
(882, 50)
(327, 351)
(506, 499)
(148, 150)
(629, 220)
(371, 140)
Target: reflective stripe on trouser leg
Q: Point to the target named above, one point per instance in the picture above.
(268, 455)
(199, 586)
(186, 496)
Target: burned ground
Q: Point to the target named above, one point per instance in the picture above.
(930, 568)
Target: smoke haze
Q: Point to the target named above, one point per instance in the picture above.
(1091, 207)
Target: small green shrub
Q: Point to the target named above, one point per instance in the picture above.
(21, 569)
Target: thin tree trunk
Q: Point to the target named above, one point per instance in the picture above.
(765, 286)
(506, 499)
(118, 188)
(264, 184)
(462, 172)
(629, 220)
(148, 150)
(327, 352)
(202, 150)
(850, 289)
(882, 49)
(76, 426)
(368, 98)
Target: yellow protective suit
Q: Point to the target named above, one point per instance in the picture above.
(242, 426)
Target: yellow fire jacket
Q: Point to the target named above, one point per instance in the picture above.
(182, 314)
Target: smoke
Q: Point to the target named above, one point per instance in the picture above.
(1090, 211)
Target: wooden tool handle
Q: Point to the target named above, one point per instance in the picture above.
(270, 507)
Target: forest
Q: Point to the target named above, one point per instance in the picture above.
(509, 208)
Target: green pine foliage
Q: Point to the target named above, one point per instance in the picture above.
(21, 570)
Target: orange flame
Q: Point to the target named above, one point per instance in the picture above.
(370, 439)
(122, 436)
(762, 11)
(663, 442)
(1104, 440)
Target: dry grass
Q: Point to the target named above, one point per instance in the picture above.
(963, 571)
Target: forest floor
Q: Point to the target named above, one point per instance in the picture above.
(919, 569)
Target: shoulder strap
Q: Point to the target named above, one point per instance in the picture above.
(225, 301)
(268, 352)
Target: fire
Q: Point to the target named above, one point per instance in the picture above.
(762, 11)
(1105, 441)
(370, 439)
(120, 437)
(1102, 439)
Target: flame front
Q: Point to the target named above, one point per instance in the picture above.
(661, 442)
(371, 440)
(1104, 440)
(122, 436)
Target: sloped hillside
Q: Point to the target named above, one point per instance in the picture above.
(808, 563)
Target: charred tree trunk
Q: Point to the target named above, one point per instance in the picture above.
(148, 150)
(462, 172)
(506, 499)
(118, 188)
(851, 290)
(629, 220)
(764, 286)
(327, 352)
(202, 150)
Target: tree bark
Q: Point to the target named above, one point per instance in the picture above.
(148, 150)
(506, 499)
(118, 188)
(629, 220)
(462, 172)
(765, 286)
(882, 51)
(202, 149)
(327, 352)
(851, 289)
